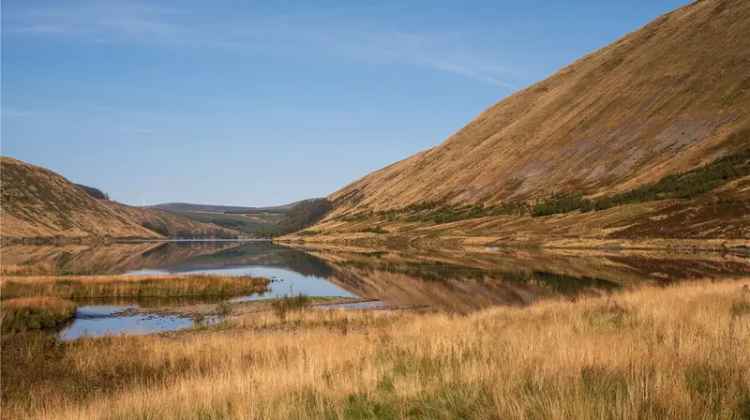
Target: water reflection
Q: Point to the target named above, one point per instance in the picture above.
(101, 320)
(442, 280)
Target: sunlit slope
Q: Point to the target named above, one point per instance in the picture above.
(666, 99)
(40, 204)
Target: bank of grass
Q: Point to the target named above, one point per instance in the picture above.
(125, 286)
(34, 313)
(678, 352)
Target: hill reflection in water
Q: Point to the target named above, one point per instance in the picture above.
(442, 280)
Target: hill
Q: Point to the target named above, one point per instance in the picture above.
(38, 204)
(255, 221)
(647, 138)
(213, 208)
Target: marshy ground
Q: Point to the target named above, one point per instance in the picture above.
(673, 352)
(44, 302)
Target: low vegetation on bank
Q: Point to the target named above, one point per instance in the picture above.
(127, 286)
(687, 185)
(675, 352)
(34, 313)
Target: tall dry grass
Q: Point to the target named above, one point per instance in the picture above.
(125, 286)
(680, 352)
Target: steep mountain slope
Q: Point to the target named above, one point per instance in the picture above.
(664, 100)
(40, 204)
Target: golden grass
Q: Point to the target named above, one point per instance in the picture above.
(123, 286)
(24, 270)
(34, 313)
(679, 352)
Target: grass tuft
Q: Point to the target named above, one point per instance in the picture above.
(290, 303)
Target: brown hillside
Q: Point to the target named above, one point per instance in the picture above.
(665, 99)
(40, 204)
(169, 224)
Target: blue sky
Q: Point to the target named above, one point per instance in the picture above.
(260, 103)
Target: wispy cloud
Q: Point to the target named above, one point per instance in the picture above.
(106, 19)
(139, 131)
(129, 22)
(15, 113)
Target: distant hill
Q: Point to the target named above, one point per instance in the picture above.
(211, 208)
(646, 138)
(38, 204)
(256, 221)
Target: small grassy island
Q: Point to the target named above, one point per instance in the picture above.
(131, 286)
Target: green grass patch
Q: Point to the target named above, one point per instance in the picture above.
(740, 308)
(376, 230)
(686, 185)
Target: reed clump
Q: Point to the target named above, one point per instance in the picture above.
(126, 286)
(655, 353)
(290, 303)
(23, 314)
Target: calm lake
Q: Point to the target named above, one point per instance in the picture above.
(453, 281)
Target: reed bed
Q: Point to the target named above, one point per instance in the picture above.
(678, 352)
(126, 286)
(23, 314)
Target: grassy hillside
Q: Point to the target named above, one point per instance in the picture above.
(38, 204)
(636, 122)
(173, 225)
(257, 224)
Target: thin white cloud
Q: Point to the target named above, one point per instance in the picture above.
(15, 113)
(124, 21)
(140, 131)
(479, 73)
(129, 22)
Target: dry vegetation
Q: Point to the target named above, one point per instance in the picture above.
(679, 352)
(126, 286)
(33, 313)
